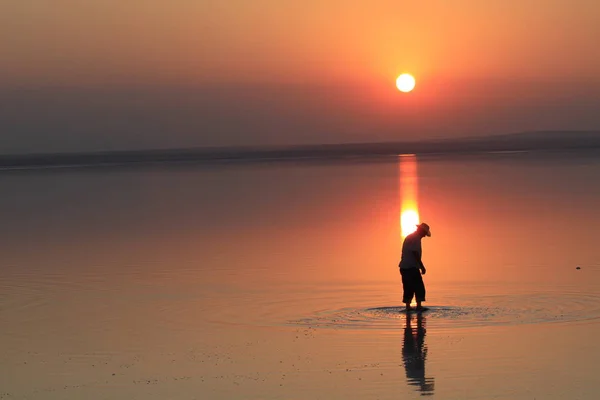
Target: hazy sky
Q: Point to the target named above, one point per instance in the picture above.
(91, 74)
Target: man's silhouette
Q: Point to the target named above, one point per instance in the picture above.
(414, 354)
(411, 267)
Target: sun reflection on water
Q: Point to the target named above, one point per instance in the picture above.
(409, 210)
(409, 219)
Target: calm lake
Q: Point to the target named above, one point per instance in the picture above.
(280, 280)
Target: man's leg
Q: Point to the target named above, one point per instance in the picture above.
(419, 289)
(407, 287)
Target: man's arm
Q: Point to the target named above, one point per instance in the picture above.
(421, 265)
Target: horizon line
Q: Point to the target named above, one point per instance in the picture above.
(512, 142)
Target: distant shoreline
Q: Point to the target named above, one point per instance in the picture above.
(511, 143)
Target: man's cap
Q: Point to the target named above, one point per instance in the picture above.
(425, 228)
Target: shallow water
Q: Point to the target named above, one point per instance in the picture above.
(274, 281)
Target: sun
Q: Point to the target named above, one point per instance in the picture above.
(405, 83)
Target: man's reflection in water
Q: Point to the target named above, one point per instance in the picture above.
(414, 353)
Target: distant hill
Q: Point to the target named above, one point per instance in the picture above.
(543, 136)
(522, 141)
(526, 141)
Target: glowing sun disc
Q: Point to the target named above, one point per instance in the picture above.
(405, 83)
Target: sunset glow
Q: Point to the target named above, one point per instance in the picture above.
(409, 219)
(409, 210)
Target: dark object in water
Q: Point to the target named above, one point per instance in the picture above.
(417, 310)
(578, 268)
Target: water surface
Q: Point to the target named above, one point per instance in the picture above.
(273, 281)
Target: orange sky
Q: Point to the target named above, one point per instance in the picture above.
(184, 41)
(115, 74)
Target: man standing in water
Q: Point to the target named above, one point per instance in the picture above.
(411, 267)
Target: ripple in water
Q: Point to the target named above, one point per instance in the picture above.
(503, 310)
